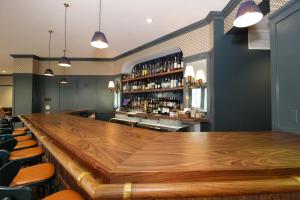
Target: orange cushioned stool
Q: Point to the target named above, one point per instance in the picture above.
(18, 133)
(25, 144)
(39, 176)
(21, 129)
(26, 153)
(34, 174)
(23, 138)
(64, 195)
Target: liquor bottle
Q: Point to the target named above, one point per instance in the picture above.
(175, 64)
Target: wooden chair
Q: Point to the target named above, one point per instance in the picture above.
(15, 193)
(16, 120)
(25, 193)
(28, 156)
(20, 144)
(41, 176)
(4, 156)
(11, 172)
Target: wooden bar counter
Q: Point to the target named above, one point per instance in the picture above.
(113, 161)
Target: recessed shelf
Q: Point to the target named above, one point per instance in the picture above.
(153, 76)
(155, 91)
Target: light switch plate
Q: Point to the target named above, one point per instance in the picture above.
(47, 107)
(293, 116)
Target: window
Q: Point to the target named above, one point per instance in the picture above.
(117, 100)
(199, 98)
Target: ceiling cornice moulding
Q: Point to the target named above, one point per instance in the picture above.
(204, 22)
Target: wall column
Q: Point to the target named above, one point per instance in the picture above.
(25, 83)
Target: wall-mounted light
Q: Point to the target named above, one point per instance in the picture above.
(189, 73)
(200, 77)
(111, 86)
(114, 86)
(248, 14)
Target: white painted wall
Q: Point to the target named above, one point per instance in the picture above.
(6, 93)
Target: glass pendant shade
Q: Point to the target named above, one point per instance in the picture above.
(48, 72)
(63, 81)
(99, 40)
(64, 62)
(248, 14)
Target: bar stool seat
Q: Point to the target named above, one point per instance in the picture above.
(18, 133)
(21, 129)
(26, 153)
(34, 174)
(25, 144)
(64, 195)
(23, 138)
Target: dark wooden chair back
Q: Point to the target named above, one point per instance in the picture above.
(9, 171)
(13, 121)
(4, 156)
(8, 145)
(15, 193)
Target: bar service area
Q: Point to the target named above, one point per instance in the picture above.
(112, 100)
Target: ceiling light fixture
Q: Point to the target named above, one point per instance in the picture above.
(149, 20)
(49, 71)
(3, 71)
(63, 81)
(99, 39)
(248, 14)
(65, 61)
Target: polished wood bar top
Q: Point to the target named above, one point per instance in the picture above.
(121, 154)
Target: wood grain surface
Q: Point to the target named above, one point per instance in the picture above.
(126, 154)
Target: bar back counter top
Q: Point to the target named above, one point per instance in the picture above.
(114, 161)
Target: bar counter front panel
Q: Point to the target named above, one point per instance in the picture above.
(114, 161)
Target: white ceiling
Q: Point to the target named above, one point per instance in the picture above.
(24, 25)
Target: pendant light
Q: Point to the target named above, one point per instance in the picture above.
(65, 61)
(248, 14)
(63, 81)
(99, 40)
(49, 71)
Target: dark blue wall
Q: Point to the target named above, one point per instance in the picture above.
(285, 42)
(81, 92)
(241, 82)
(22, 93)
(33, 92)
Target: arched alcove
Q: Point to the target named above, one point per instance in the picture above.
(128, 66)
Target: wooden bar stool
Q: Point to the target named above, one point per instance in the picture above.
(15, 120)
(27, 156)
(20, 145)
(37, 176)
(23, 138)
(25, 145)
(25, 193)
(63, 195)
(18, 133)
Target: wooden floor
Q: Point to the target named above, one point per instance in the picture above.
(125, 154)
